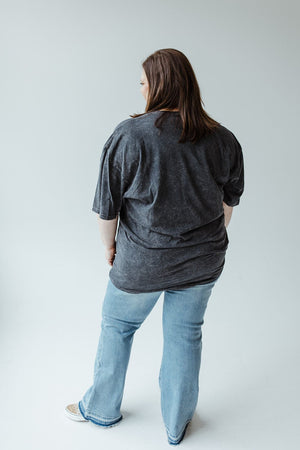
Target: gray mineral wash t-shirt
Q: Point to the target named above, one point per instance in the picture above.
(169, 196)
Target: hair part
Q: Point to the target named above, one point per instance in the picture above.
(173, 85)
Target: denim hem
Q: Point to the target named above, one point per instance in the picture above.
(102, 421)
(181, 436)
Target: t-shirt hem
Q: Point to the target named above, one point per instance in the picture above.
(104, 216)
(167, 288)
(231, 202)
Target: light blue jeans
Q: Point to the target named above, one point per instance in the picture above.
(122, 314)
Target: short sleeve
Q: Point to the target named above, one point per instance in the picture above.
(234, 187)
(117, 162)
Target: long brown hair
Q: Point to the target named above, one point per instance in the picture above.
(173, 85)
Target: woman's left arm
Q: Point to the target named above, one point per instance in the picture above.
(108, 230)
(119, 162)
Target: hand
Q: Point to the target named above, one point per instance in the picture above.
(110, 254)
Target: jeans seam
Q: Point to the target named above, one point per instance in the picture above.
(107, 419)
(172, 438)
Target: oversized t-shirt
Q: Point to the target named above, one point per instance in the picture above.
(169, 198)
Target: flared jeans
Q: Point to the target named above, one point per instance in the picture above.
(122, 314)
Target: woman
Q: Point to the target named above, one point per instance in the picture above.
(169, 178)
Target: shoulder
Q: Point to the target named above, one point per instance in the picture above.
(226, 134)
(126, 139)
(124, 125)
(119, 136)
(134, 126)
(228, 141)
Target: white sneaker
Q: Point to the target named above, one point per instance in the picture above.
(73, 412)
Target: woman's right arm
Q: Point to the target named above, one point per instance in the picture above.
(227, 213)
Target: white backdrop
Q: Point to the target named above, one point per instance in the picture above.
(70, 72)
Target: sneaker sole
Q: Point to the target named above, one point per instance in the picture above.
(75, 417)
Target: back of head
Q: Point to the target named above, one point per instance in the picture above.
(172, 85)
